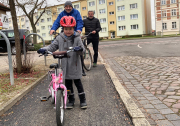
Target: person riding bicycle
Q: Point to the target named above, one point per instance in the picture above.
(70, 11)
(71, 66)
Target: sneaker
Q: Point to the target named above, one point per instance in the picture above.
(94, 64)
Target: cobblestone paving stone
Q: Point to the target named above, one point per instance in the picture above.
(154, 84)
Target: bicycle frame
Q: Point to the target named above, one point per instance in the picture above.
(57, 83)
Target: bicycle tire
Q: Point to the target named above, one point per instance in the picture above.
(59, 108)
(87, 59)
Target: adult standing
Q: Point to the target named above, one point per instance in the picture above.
(68, 11)
(92, 24)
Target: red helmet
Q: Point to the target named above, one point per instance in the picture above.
(68, 21)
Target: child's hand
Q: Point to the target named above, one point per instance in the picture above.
(42, 51)
(51, 32)
(78, 48)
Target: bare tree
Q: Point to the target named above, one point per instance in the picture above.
(16, 33)
(29, 7)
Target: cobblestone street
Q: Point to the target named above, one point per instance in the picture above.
(153, 83)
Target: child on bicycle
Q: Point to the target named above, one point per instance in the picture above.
(72, 69)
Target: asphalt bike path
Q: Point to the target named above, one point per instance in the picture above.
(105, 108)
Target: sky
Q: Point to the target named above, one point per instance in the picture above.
(54, 2)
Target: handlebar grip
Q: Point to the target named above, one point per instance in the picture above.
(59, 53)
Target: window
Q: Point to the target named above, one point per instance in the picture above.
(134, 26)
(111, 13)
(49, 26)
(37, 24)
(92, 3)
(103, 20)
(121, 28)
(76, 6)
(54, 13)
(17, 20)
(173, 12)
(10, 27)
(60, 10)
(83, 8)
(48, 19)
(111, 22)
(9, 21)
(173, 25)
(173, 1)
(163, 2)
(36, 17)
(10, 34)
(48, 12)
(27, 27)
(121, 18)
(27, 20)
(23, 26)
(101, 11)
(164, 13)
(132, 6)
(84, 17)
(134, 16)
(119, 0)
(103, 30)
(42, 20)
(120, 8)
(42, 27)
(22, 19)
(110, 3)
(43, 34)
(38, 31)
(101, 1)
(164, 26)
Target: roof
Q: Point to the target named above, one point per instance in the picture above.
(3, 7)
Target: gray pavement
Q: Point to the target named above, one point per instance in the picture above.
(149, 71)
(105, 108)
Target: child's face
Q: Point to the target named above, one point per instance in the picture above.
(68, 31)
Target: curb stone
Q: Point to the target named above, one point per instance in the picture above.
(135, 113)
(20, 95)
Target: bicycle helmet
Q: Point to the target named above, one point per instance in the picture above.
(68, 21)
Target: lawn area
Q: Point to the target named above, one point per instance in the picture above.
(7, 91)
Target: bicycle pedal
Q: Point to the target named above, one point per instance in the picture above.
(43, 98)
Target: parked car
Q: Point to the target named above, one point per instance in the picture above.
(10, 34)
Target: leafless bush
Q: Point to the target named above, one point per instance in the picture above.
(27, 64)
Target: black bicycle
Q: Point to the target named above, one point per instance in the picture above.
(87, 57)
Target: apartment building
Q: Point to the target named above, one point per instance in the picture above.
(133, 17)
(167, 17)
(117, 17)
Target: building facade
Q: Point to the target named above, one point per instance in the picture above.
(117, 17)
(167, 17)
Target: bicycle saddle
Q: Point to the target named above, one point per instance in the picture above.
(54, 65)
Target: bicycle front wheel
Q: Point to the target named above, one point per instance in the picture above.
(59, 108)
(87, 59)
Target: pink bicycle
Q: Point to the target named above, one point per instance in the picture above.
(57, 90)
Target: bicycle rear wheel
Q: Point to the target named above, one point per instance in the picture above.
(87, 59)
(59, 108)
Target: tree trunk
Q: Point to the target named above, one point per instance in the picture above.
(16, 33)
(34, 36)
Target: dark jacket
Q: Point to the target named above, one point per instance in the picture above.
(91, 25)
(74, 13)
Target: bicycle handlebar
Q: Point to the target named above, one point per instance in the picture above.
(84, 36)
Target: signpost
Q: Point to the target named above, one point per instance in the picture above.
(4, 22)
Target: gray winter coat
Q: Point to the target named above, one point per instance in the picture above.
(72, 68)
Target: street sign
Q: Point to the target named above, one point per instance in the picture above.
(4, 20)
